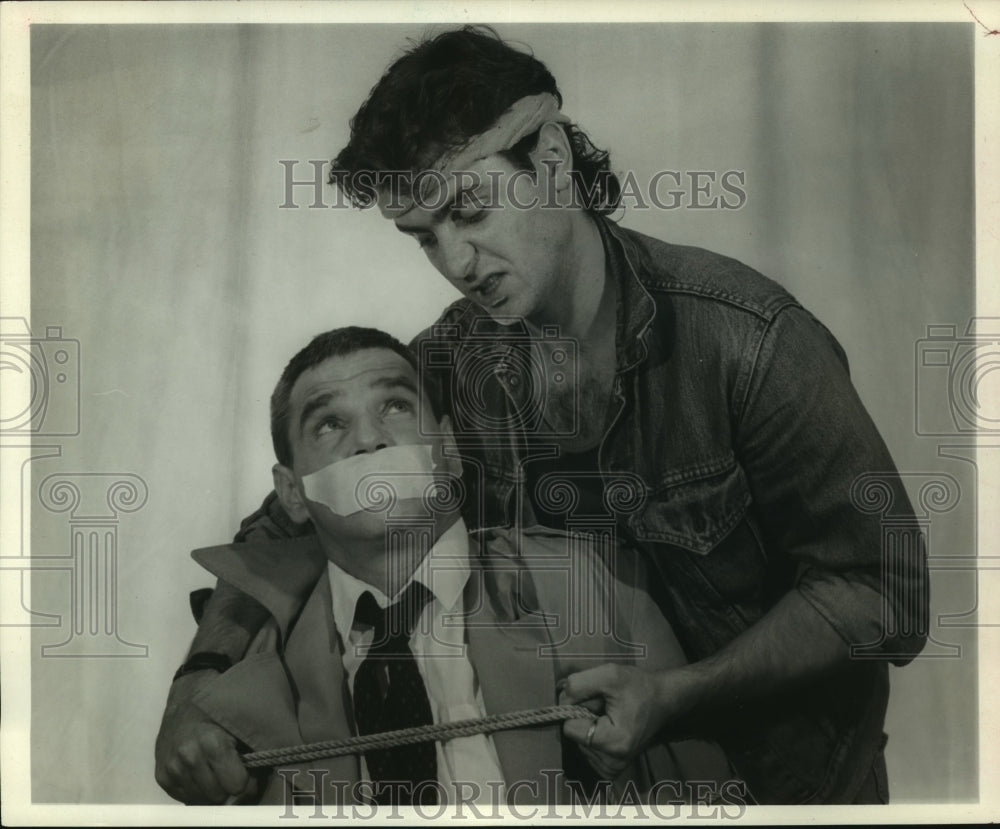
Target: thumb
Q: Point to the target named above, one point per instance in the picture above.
(591, 684)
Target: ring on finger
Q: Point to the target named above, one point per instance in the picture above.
(590, 733)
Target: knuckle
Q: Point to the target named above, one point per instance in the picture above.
(176, 773)
(617, 749)
(207, 736)
(235, 788)
(237, 779)
(189, 754)
(214, 743)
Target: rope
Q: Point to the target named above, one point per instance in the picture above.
(419, 734)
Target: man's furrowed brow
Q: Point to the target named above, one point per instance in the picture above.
(397, 381)
(314, 404)
(436, 217)
(440, 214)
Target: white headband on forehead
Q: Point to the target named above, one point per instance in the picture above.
(523, 118)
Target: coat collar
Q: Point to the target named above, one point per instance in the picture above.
(636, 307)
(279, 574)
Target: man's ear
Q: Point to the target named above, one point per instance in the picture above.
(449, 450)
(553, 160)
(289, 494)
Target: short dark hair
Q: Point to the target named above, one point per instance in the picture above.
(438, 95)
(340, 342)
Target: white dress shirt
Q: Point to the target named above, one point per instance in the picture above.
(441, 655)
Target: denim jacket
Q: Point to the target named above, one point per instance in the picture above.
(739, 459)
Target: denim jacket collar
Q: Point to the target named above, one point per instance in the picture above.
(636, 308)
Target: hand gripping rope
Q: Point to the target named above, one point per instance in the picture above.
(419, 734)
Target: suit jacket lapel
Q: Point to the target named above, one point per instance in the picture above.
(315, 665)
(254, 699)
(276, 699)
(512, 676)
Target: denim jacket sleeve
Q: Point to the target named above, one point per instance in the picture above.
(806, 443)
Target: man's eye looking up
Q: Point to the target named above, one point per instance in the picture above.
(326, 425)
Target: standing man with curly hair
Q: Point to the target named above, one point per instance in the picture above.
(707, 387)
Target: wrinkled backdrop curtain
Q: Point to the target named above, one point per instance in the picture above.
(158, 242)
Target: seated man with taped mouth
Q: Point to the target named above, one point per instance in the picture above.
(392, 616)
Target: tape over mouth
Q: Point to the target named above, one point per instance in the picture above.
(524, 117)
(374, 481)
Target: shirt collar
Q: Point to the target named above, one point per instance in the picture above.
(444, 571)
(636, 308)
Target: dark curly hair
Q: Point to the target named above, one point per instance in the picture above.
(440, 93)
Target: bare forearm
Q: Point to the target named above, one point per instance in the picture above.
(230, 621)
(791, 645)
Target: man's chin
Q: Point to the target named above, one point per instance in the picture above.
(505, 315)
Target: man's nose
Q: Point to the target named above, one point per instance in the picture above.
(370, 435)
(459, 259)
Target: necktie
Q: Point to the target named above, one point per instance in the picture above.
(389, 693)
